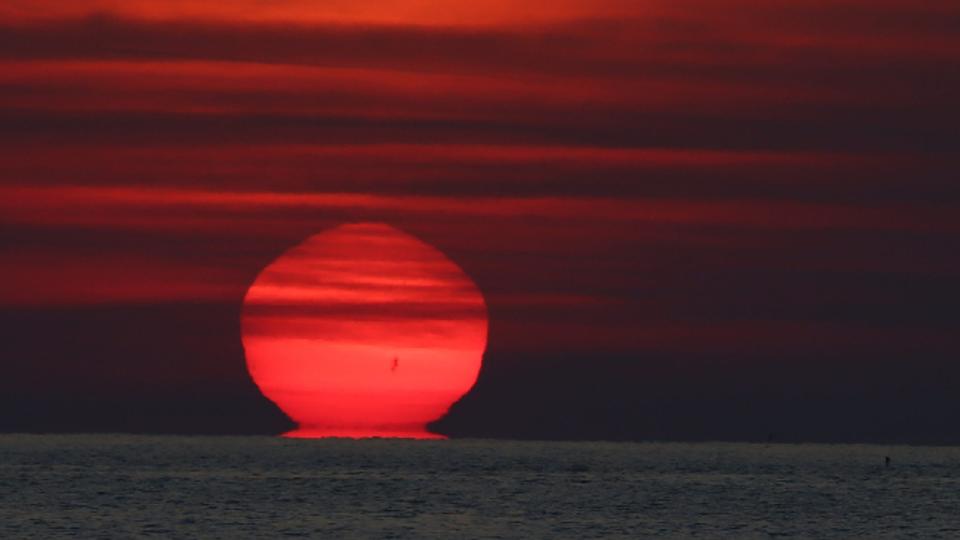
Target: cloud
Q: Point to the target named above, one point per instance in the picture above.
(874, 79)
(611, 169)
(432, 12)
(132, 206)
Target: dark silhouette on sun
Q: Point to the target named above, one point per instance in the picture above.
(318, 321)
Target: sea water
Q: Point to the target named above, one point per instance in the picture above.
(119, 486)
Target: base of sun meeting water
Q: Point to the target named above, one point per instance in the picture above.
(340, 433)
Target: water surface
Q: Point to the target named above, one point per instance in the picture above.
(244, 487)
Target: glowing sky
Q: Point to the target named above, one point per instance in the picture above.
(761, 194)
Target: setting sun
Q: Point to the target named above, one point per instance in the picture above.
(364, 330)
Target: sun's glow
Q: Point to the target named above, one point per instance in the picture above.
(364, 330)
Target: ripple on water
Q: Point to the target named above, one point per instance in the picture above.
(89, 486)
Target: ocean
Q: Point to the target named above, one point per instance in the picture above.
(123, 486)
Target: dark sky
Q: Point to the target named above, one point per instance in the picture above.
(698, 220)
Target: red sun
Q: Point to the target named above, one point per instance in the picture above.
(364, 330)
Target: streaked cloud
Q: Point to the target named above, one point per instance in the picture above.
(640, 175)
